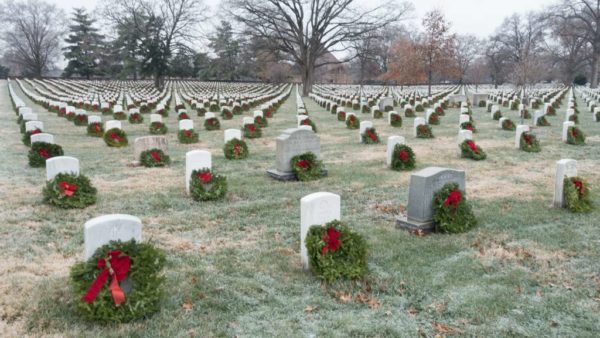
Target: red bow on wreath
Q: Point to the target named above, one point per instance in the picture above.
(115, 137)
(332, 240)
(44, 153)
(371, 135)
(117, 266)
(156, 156)
(303, 164)
(67, 189)
(579, 187)
(36, 131)
(472, 146)
(453, 199)
(403, 155)
(205, 177)
(237, 150)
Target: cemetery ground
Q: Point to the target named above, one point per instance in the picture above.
(233, 266)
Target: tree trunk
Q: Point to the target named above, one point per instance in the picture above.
(307, 79)
(595, 60)
(429, 79)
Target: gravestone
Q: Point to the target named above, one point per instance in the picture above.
(363, 126)
(247, 120)
(116, 227)
(502, 119)
(42, 137)
(537, 115)
(476, 98)
(301, 118)
(155, 118)
(33, 125)
(349, 114)
(196, 159)
(112, 124)
(186, 125)
(209, 115)
(292, 142)
(30, 117)
(570, 112)
(455, 99)
(316, 209)
(565, 130)
(391, 144)
(417, 122)
(390, 116)
(257, 113)
(386, 101)
(94, 119)
(230, 134)
(564, 167)
(521, 128)
(25, 110)
(464, 135)
(117, 108)
(423, 185)
(145, 143)
(61, 164)
(463, 118)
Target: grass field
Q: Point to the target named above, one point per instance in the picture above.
(233, 266)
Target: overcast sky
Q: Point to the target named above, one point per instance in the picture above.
(479, 17)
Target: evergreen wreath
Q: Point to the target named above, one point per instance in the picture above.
(434, 119)
(69, 191)
(451, 211)
(235, 149)
(115, 137)
(577, 194)
(469, 125)
(135, 118)
(365, 109)
(352, 122)
(250, 130)
(201, 111)
(408, 112)
(419, 108)
(158, 128)
(80, 120)
(183, 116)
(187, 136)
(575, 136)
(395, 120)
(529, 143)
(119, 115)
(525, 114)
(137, 274)
(226, 114)
(424, 131)
(497, 115)
(403, 158)
(370, 136)
(597, 116)
(70, 116)
(341, 116)
(41, 151)
(154, 158)
(377, 114)
(550, 111)
(95, 129)
(27, 136)
(440, 111)
(261, 122)
(507, 124)
(212, 124)
(469, 149)
(309, 122)
(336, 252)
(306, 167)
(574, 118)
(542, 122)
(207, 186)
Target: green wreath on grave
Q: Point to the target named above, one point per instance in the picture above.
(408, 112)
(183, 116)
(115, 137)
(27, 136)
(119, 115)
(370, 136)
(250, 130)
(577, 194)
(154, 158)
(135, 118)
(158, 128)
(187, 136)
(341, 116)
(352, 122)
(497, 115)
(201, 111)
(306, 167)
(525, 114)
(434, 119)
(597, 116)
(550, 111)
(469, 125)
(574, 118)
(95, 129)
(70, 116)
(309, 122)
(542, 122)
(575, 136)
(424, 131)
(395, 120)
(336, 252)
(451, 211)
(403, 158)
(235, 149)
(469, 149)
(529, 143)
(481, 104)
(507, 124)
(212, 124)
(365, 109)
(207, 186)
(226, 114)
(80, 120)
(261, 122)
(440, 111)
(69, 191)
(419, 108)
(41, 151)
(377, 114)
(135, 282)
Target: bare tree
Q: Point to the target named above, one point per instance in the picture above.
(467, 48)
(32, 31)
(568, 50)
(305, 30)
(437, 46)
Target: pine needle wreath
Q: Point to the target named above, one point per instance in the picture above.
(27, 136)
(419, 108)
(143, 286)
(80, 120)
(529, 143)
(470, 125)
(119, 116)
(542, 122)
(352, 122)
(261, 122)
(201, 111)
(550, 111)
(158, 128)
(207, 186)
(336, 252)
(306, 167)
(154, 158)
(396, 120)
(309, 122)
(403, 158)
(183, 116)
(212, 124)
(365, 109)
(451, 211)
(574, 118)
(497, 115)
(235, 149)
(597, 116)
(250, 130)
(424, 131)
(434, 119)
(575, 136)
(577, 194)
(115, 137)
(95, 129)
(69, 191)
(341, 116)
(187, 136)
(70, 116)
(440, 111)
(469, 149)
(507, 124)
(370, 136)
(135, 118)
(408, 112)
(377, 114)
(226, 114)
(525, 114)
(41, 151)
(481, 104)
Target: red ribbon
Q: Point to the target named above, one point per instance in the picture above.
(156, 156)
(97, 127)
(44, 153)
(403, 155)
(237, 149)
(183, 117)
(579, 187)
(332, 240)
(251, 128)
(472, 146)
(67, 189)
(303, 164)
(205, 177)
(453, 199)
(372, 136)
(36, 131)
(115, 137)
(117, 267)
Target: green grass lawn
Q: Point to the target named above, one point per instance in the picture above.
(233, 267)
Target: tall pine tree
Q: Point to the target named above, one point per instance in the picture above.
(83, 51)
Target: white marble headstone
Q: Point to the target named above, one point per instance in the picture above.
(463, 118)
(94, 119)
(186, 125)
(564, 167)
(61, 164)
(464, 135)
(33, 125)
(417, 122)
(364, 125)
(316, 209)
(42, 137)
(521, 128)
(196, 159)
(391, 143)
(230, 134)
(247, 120)
(101, 230)
(565, 130)
(155, 118)
(112, 124)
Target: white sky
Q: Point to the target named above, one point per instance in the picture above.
(478, 17)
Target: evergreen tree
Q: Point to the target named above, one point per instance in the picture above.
(84, 46)
(227, 48)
